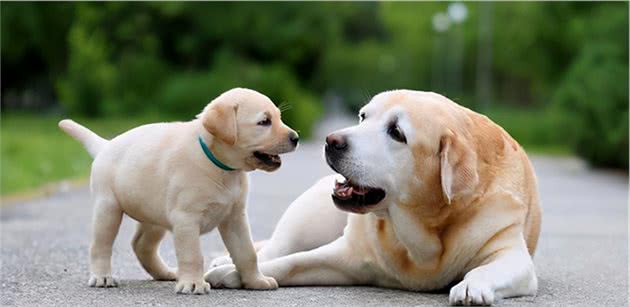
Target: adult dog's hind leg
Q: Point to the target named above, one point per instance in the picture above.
(311, 221)
(334, 264)
(146, 243)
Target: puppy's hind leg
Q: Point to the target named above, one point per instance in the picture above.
(146, 243)
(106, 222)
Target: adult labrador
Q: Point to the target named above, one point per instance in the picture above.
(438, 194)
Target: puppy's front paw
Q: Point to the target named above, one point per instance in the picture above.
(102, 281)
(261, 282)
(224, 276)
(469, 292)
(192, 287)
(219, 261)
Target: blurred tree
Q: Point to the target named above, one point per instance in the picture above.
(195, 51)
(33, 51)
(128, 58)
(593, 93)
(532, 48)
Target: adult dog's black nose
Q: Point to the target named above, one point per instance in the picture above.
(336, 142)
(294, 138)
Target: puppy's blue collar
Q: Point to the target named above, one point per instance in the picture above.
(212, 158)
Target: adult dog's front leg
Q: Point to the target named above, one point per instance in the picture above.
(331, 264)
(508, 274)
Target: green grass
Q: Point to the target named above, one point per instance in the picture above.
(34, 151)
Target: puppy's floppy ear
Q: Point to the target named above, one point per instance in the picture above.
(458, 167)
(219, 119)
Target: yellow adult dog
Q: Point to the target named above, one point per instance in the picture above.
(440, 194)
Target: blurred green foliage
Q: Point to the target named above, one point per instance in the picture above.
(33, 152)
(531, 127)
(565, 60)
(593, 94)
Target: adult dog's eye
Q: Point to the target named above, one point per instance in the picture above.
(361, 117)
(396, 133)
(265, 122)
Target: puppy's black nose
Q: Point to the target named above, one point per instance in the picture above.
(294, 138)
(336, 142)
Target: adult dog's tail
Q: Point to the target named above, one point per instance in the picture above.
(90, 140)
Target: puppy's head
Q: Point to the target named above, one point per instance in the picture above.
(250, 124)
(408, 147)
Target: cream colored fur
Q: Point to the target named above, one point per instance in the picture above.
(158, 175)
(461, 206)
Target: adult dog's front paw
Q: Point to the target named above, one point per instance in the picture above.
(261, 282)
(192, 287)
(102, 281)
(469, 292)
(224, 276)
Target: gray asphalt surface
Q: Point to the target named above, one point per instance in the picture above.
(582, 259)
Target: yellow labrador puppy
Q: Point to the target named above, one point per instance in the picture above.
(187, 178)
(438, 194)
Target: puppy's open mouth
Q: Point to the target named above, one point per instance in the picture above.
(268, 159)
(355, 198)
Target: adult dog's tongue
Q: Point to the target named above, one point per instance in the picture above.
(344, 190)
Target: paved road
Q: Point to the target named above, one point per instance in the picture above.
(582, 258)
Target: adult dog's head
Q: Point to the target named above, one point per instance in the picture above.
(409, 146)
(250, 124)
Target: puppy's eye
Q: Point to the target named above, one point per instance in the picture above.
(396, 133)
(265, 122)
(361, 117)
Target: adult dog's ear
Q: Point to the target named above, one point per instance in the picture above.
(219, 118)
(458, 167)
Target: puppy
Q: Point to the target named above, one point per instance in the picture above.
(187, 178)
(437, 195)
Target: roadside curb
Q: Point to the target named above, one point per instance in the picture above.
(46, 190)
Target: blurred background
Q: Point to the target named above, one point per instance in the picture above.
(554, 75)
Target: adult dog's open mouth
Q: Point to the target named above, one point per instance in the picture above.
(268, 159)
(352, 197)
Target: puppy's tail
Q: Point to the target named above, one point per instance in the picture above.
(90, 140)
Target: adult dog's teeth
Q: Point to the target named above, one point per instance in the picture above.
(343, 191)
(341, 181)
(346, 192)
